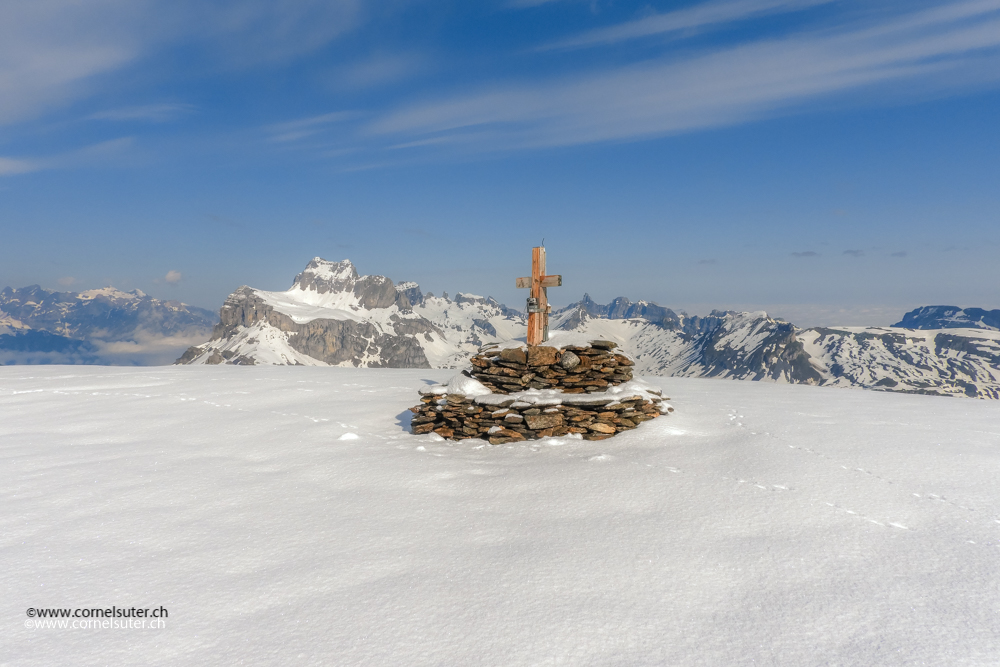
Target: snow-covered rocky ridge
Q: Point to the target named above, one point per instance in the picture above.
(950, 317)
(285, 516)
(754, 346)
(333, 316)
(95, 326)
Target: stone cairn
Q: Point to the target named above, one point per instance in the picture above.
(541, 391)
(573, 369)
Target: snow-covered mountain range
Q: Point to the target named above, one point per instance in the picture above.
(334, 316)
(96, 326)
(950, 317)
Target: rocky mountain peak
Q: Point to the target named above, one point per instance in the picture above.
(324, 276)
(411, 291)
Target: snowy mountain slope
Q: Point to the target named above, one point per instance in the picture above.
(10, 325)
(96, 326)
(333, 316)
(956, 362)
(950, 317)
(466, 324)
(753, 346)
(743, 346)
(285, 516)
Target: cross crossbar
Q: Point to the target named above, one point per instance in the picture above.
(538, 302)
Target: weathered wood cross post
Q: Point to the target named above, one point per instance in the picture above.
(538, 302)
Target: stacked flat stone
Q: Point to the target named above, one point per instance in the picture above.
(573, 369)
(501, 417)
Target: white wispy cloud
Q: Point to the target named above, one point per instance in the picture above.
(49, 47)
(154, 113)
(93, 154)
(683, 20)
(957, 44)
(302, 128)
(378, 70)
(520, 4)
(12, 166)
(53, 52)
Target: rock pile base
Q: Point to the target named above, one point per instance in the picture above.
(542, 399)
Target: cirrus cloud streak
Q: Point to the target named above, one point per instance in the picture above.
(933, 50)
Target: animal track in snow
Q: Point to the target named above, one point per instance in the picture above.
(893, 524)
(887, 480)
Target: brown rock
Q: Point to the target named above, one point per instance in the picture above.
(419, 429)
(542, 355)
(544, 421)
(424, 419)
(513, 365)
(514, 354)
(623, 360)
(513, 418)
(603, 344)
(506, 435)
(596, 436)
(599, 427)
(445, 432)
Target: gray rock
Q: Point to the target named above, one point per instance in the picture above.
(569, 360)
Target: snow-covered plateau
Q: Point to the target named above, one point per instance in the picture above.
(285, 516)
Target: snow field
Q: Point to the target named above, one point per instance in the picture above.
(285, 516)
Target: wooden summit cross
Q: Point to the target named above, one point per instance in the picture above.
(538, 302)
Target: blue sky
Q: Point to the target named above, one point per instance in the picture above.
(828, 160)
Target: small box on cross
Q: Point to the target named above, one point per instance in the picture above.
(538, 302)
